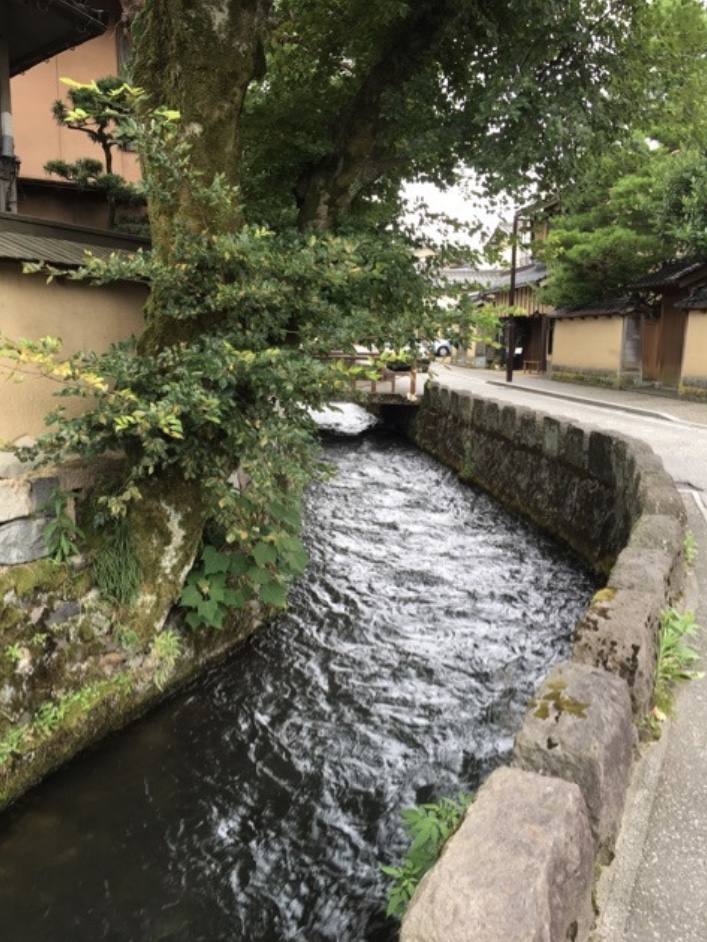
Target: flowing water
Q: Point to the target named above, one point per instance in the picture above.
(259, 805)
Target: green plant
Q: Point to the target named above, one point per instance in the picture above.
(166, 649)
(48, 717)
(689, 547)
(12, 742)
(116, 567)
(229, 579)
(14, 652)
(61, 532)
(429, 826)
(676, 659)
(126, 638)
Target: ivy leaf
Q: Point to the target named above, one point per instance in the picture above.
(215, 561)
(272, 593)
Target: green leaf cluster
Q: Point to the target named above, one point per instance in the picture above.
(61, 532)
(643, 200)
(261, 570)
(429, 827)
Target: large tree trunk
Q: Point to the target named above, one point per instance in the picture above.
(326, 189)
(197, 57)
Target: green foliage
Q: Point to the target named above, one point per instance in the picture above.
(429, 827)
(676, 658)
(13, 741)
(226, 579)
(166, 650)
(643, 200)
(99, 109)
(14, 652)
(690, 547)
(61, 533)
(52, 714)
(116, 567)
(127, 638)
(415, 90)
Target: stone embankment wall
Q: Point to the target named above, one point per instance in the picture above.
(522, 864)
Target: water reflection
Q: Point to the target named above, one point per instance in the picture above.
(259, 805)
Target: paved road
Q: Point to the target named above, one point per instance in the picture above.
(677, 431)
(656, 888)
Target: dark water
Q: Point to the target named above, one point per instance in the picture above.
(260, 804)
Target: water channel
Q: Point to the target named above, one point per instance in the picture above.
(258, 805)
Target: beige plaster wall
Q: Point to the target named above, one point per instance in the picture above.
(38, 138)
(84, 317)
(694, 363)
(592, 343)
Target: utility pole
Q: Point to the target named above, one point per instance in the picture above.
(512, 300)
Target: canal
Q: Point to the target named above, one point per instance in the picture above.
(259, 804)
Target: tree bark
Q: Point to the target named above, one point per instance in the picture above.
(326, 189)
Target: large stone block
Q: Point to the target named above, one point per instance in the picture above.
(519, 868)
(15, 500)
(22, 541)
(619, 632)
(654, 556)
(579, 727)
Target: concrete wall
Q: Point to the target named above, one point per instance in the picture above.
(84, 317)
(588, 344)
(521, 866)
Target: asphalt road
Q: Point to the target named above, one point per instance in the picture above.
(677, 431)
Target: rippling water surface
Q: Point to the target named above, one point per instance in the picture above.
(259, 805)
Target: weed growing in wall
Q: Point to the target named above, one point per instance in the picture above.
(429, 827)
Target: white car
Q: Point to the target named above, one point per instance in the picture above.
(441, 348)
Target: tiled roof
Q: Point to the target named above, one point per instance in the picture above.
(39, 30)
(628, 304)
(670, 273)
(26, 239)
(696, 301)
(473, 276)
(27, 248)
(528, 275)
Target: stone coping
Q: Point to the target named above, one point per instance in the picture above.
(517, 867)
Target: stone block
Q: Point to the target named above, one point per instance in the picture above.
(529, 429)
(22, 541)
(573, 448)
(657, 546)
(619, 632)
(15, 500)
(508, 422)
(42, 488)
(599, 456)
(520, 867)
(579, 727)
(658, 496)
(552, 436)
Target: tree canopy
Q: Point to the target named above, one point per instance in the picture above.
(641, 201)
(274, 137)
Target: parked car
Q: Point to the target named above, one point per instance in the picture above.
(441, 348)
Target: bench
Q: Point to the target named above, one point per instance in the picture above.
(531, 366)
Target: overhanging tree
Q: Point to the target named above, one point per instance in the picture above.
(642, 200)
(316, 112)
